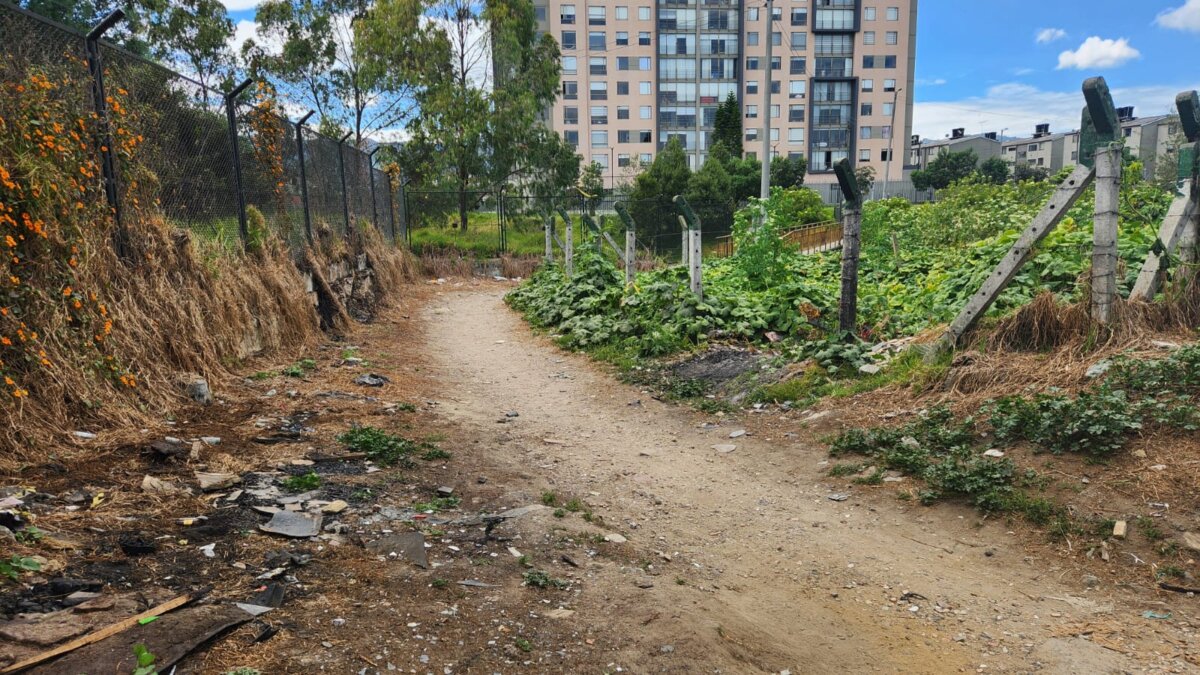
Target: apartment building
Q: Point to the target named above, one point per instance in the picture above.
(637, 75)
(1146, 138)
(923, 151)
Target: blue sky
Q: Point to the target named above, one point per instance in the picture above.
(988, 65)
(1007, 65)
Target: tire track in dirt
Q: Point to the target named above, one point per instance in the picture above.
(781, 576)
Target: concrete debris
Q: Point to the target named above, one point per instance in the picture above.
(371, 380)
(560, 613)
(292, 524)
(615, 538)
(1191, 540)
(197, 389)
(410, 545)
(335, 506)
(1120, 529)
(724, 448)
(838, 497)
(154, 485)
(211, 482)
(83, 435)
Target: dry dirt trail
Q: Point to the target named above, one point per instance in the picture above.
(772, 574)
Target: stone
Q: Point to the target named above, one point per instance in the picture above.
(560, 613)
(737, 434)
(211, 482)
(838, 497)
(615, 538)
(1091, 580)
(1191, 540)
(292, 524)
(1158, 467)
(371, 380)
(79, 597)
(993, 452)
(445, 491)
(1139, 453)
(410, 545)
(1120, 529)
(869, 369)
(910, 442)
(197, 389)
(44, 630)
(335, 506)
(724, 448)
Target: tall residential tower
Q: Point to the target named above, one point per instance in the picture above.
(636, 75)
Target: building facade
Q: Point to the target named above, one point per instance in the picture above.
(634, 76)
(1148, 139)
(924, 151)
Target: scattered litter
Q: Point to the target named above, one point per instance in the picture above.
(211, 482)
(1158, 467)
(1151, 614)
(210, 440)
(514, 552)
(371, 380)
(209, 550)
(84, 435)
(993, 452)
(291, 524)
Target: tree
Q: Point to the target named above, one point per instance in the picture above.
(709, 194)
(650, 201)
(745, 175)
(591, 186)
(788, 172)
(995, 171)
(727, 128)
(194, 34)
(1027, 172)
(83, 15)
(865, 177)
(945, 169)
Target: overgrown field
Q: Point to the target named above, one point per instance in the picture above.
(920, 264)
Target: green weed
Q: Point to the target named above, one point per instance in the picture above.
(379, 445)
(302, 482)
(541, 579)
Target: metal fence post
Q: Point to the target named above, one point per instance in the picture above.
(231, 117)
(391, 208)
(342, 173)
(103, 137)
(371, 173)
(303, 176)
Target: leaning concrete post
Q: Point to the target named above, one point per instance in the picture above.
(692, 245)
(1100, 137)
(684, 243)
(630, 241)
(851, 225)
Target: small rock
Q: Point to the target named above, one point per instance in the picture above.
(644, 583)
(724, 448)
(211, 482)
(560, 613)
(371, 380)
(667, 649)
(1120, 529)
(838, 497)
(338, 622)
(615, 538)
(961, 637)
(352, 361)
(993, 452)
(445, 491)
(869, 369)
(1158, 467)
(1139, 453)
(1191, 540)
(157, 486)
(197, 389)
(1163, 344)
(1091, 580)
(737, 434)
(910, 442)
(335, 506)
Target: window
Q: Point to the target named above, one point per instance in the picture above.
(798, 64)
(599, 139)
(645, 112)
(596, 16)
(864, 155)
(799, 16)
(868, 62)
(777, 14)
(1033, 147)
(795, 113)
(570, 90)
(602, 160)
(643, 63)
(868, 37)
(622, 161)
(834, 45)
(887, 109)
(834, 19)
(893, 13)
(644, 39)
(776, 39)
(622, 63)
(622, 89)
(868, 14)
(598, 65)
(596, 41)
(645, 136)
(751, 86)
(599, 114)
(752, 38)
(892, 37)
(571, 115)
(774, 137)
(889, 62)
(567, 14)
(774, 86)
(799, 40)
(645, 157)
(796, 88)
(622, 13)
(752, 14)
(774, 111)
(569, 65)
(889, 85)
(599, 91)
(752, 134)
(622, 38)
(752, 63)
(643, 13)
(776, 62)
(539, 14)
(622, 112)
(568, 39)
(751, 112)
(885, 155)
(572, 138)
(866, 110)
(887, 132)
(865, 133)
(622, 136)
(645, 87)
(868, 85)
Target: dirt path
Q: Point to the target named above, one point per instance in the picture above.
(765, 573)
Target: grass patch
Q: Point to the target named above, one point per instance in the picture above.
(379, 445)
(437, 504)
(302, 482)
(541, 579)
(299, 368)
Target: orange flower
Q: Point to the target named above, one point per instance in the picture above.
(67, 291)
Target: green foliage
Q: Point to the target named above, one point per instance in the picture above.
(788, 172)
(1093, 423)
(16, 564)
(591, 185)
(437, 504)
(379, 445)
(708, 193)
(303, 482)
(994, 170)
(947, 168)
(727, 127)
(549, 498)
(145, 661)
(300, 367)
(542, 579)
(1023, 172)
(434, 454)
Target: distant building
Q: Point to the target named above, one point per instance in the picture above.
(923, 151)
(1146, 138)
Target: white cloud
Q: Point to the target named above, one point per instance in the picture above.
(1097, 52)
(1017, 108)
(242, 31)
(936, 82)
(239, 5)
(1048, 35)
(1186, 17)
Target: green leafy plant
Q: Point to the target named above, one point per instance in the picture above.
(299, 368)
(29, 535)
(16, 564)
(379, 445)
(302, 482)
(437, 504)
(145, 661)
(541, 579)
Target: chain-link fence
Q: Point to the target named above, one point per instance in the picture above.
(170, 146)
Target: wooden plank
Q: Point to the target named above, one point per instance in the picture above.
(1180, 217)
(1047, 219)
(101, 634)
(848, 304)
(1104, 232)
